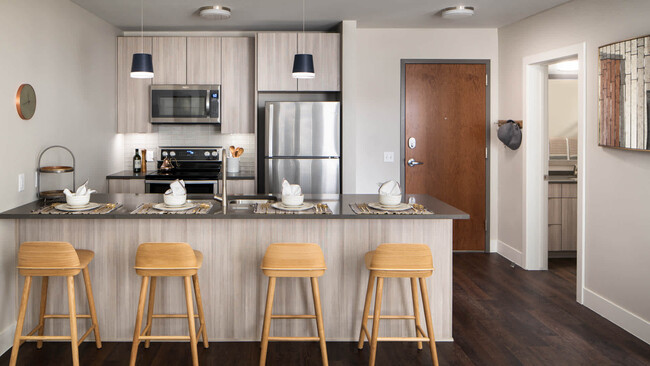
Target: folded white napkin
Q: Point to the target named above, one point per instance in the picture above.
(291, 189)
(177, 188)
(390, 188)
(82, 190)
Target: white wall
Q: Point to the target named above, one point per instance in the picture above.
(371, 64)
(563, 108)
(68, 56)
(617, 249)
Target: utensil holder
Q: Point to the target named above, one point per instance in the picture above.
(232, 165)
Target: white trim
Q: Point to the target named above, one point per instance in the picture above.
(494, 245)
(535, 236)
(7, 337)
(510, 253)
(625, 319)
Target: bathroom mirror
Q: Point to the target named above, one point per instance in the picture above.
(624, 94)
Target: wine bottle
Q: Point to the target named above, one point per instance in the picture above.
(137, 161)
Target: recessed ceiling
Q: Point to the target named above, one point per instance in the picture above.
(175, 15)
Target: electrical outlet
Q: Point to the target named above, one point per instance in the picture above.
(21, 182)
(389, 156)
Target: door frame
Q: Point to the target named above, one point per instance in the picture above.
(402, 173)
(535, 189)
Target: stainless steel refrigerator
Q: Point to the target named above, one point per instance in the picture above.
(303, 146)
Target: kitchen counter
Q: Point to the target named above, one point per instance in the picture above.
(339, 204)
(243, 174)
(126, 174)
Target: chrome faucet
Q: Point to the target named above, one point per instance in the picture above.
(224, 173)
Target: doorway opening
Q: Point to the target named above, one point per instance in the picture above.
(551, 203)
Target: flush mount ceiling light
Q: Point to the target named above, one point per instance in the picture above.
(142, 64)
(458, 12)
(571, 65)
(216, 12)
(303, 63)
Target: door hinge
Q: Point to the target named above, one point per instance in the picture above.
(486, 225)
(486, 79)
(486, 152)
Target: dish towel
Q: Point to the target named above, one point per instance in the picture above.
(177, 188)
(291, 189)
(82, 190)
(390, 188)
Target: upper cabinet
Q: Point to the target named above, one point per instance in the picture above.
(326, 48)
(237, 91)
(204, 60)
(169, 60)
(132, 94)
(275, 52)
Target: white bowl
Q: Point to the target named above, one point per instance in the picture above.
(390, 200)
(77, 201)
(173, 201)
(293, 200)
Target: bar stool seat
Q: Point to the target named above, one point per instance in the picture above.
(412, 261)
(54, 259)
(154, 260)
(293, 260)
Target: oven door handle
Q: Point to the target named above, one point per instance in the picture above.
(186, 182)
(207, 103)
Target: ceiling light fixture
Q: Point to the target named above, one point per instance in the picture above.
(216, 12)
(571, 65)
(142, 64)
(303, 63)
(458, 12)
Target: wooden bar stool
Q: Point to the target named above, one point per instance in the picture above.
(154, 260)
(293, 260)
(53, 259)
(412, 261)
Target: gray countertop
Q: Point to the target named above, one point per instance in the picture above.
(339, 204)
(243, 174)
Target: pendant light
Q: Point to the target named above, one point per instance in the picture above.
(303, 63)
(142, 64)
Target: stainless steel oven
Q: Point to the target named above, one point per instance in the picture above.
(185, 104)
(198, 166)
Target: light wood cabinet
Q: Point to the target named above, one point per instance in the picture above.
(237, 91)
(562, 217)
(241, 186)
(204, 60)
(326, 48)
(132, 94)
(169, 60)
(275, 52)
(569, 223)
(126, 186)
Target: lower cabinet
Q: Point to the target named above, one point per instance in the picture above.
(241, 186)
(125, 185)
(562, 217)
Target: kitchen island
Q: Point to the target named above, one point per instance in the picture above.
(233, 242)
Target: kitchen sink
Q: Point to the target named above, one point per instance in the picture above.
(243, 202)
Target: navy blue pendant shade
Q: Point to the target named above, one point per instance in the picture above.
(142, 66)
(303, 66)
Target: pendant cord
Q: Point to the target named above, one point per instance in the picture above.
(142, 25)
(303, 26)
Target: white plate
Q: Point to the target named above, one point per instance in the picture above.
(401, 207)
(183, 207)
(67, 208)
(303, 207)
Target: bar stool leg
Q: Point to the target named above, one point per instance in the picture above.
(74, 340)
(375, 321)
(190, 319)
(41, 316)
(152, 297)
(266, 328)
(427, 317)
(366, 310)
(21, 320)
(319, 319)
(91, 305)
(199, 307)
(416, 309)
(138, 320)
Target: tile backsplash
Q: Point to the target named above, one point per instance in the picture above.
(189, 135)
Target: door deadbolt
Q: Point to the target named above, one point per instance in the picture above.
(412, 143)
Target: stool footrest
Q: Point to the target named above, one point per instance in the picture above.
(65, 316)
(45, 338)
(174, 316)
(393, 317)
(164, 338)
(293, 339)
(403, 339)
(300, 316)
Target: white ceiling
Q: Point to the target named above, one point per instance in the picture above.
(177, 15)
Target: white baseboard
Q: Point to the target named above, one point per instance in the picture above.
(625, 319)
(7, 337)
(494, 244)
(510, 253)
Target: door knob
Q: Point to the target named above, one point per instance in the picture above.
(412, 162)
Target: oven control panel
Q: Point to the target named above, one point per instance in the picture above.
(212, 153)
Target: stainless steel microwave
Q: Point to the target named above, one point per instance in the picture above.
(185, 104)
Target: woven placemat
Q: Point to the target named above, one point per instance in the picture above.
(203, 207)
(318, 209)
(364, 209)
(101, 210)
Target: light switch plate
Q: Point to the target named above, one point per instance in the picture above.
(21, 182)
(149, 156)
(389, 157)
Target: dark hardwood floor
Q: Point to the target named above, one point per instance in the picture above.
(502, 316)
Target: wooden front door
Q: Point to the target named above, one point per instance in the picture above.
(445, 111)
